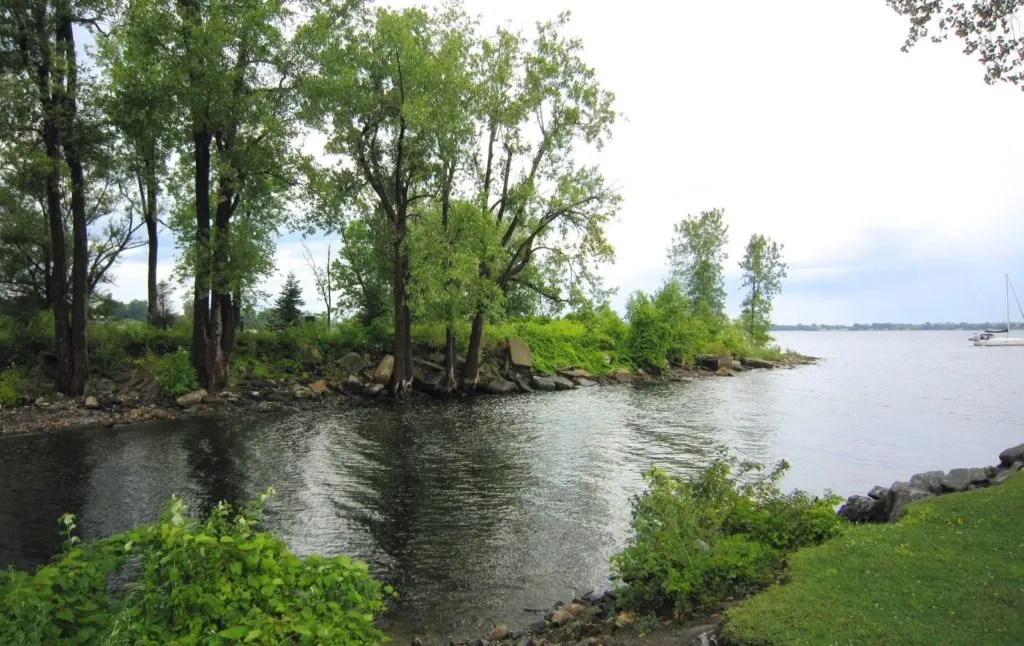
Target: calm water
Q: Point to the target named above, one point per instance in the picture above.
(480, 511)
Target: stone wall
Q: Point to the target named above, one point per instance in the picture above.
(883, 505)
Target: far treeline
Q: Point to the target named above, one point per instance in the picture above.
(863, 327)
(453, 176)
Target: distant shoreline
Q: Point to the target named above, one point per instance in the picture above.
(895, 327)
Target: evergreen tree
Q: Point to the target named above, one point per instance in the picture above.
(287, 307)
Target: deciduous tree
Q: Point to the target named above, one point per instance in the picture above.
(763, 273)
(697, 257)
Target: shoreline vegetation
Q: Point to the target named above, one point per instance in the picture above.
(146, 374)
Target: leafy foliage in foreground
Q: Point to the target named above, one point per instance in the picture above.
(218, 581)
(949, 572)
(722, 533)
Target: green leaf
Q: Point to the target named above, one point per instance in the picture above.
(235, 632)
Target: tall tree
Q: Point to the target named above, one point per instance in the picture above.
(39, 64)
(989, 29)
(385, 118)
(139, 102)
(228, 75)
(697, 257)
(763, 273)
(288, 306)
(540, 103)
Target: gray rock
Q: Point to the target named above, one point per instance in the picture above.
(930, 481)
(524, 385)
(91, 403)
(385, 368)
(352, 363)
(710, 362)
(191, 399)
(584, 383)
(500, 386)
(543, 383)
(900, 495)
(751, 362)
(561, 383)
(1002, 476)
(877, 492)
(373, 390)
(353, 384)
(862, 508)
(959, 479)
(574, 373)
(301, 392)
(1011, 455)
(519, 353)
(623, 376)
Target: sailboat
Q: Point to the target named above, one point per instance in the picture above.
(991, 337)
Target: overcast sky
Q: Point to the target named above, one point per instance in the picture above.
(892, 179)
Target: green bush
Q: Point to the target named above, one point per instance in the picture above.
(648, 337)
(724, 532)
(174, 374)
(178, 580)
(10, 386)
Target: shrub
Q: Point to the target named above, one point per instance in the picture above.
(724, 532)
(10, 386)
(648, 337)
(179, 580)
(174, 374)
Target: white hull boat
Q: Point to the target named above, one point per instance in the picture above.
(994, 338)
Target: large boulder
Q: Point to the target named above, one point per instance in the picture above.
(1005, 474)
(1011, 455)
(877, 492)
(543, 383)
(385, 368)
(751, 362)
(352, 363)
(519, 354)
(191, 399)
(964, 479)
(500, 386)
(561, 383)
(900, 495)
(930, 481)
(861, 509)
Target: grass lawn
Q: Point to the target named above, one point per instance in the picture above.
(951, 572)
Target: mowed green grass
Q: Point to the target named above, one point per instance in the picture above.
(950, 572)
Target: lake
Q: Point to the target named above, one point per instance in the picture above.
(491, 509)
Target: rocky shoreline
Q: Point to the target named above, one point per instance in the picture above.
(356, 380)
(886, 505)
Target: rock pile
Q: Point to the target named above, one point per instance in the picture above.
(883, 505)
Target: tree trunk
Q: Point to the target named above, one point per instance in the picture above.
(201, 294)
(401, 376)
(58, 250)
(220, 335)
(450, 382)
(151, 233)
(79, 276)
(471, 371)
(80, 241)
